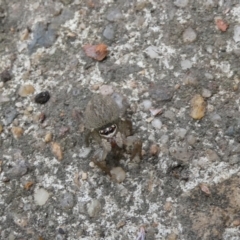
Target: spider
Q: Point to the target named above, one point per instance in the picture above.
(105, 122)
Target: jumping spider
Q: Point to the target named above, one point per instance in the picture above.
(106, 125)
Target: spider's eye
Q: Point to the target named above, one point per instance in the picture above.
(108, 132)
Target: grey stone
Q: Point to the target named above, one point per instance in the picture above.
(67, 201)
(18, 170)
(109, 32)
(114, 15)
(9, 115)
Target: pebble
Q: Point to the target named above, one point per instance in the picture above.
(180, 153)
(181, 133)
(236, 33)
(147, 104)
(164, 139)
(18, 104)
(206, 93)
(84, 153)
(181, 3)
(84, 176)
(191, 139)
(152, 52)
(10, 114)
(172, 236)
(41, 196)
(106, 90)
(93, 208)
(156, 123)
(155, 111)
(190, 79)
(212, 155)
(17, 132)
(114, 15)
(154, 150)
(29, 109)
(186, 64)
(43, 36)
(1, 128)
(18, 170)
(1, 84)
(234, 159)
(67, 201)
(57, 151)
(209, 76)
(26, 90)
(169, 114)
(161, 93)
(118, 174)
(215, 118)
(5, 76)
(4, 99)
(42, 97)
(189, 35)
(109, 32)
(48, 137)
(198, 107)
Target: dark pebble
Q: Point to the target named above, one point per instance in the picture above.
(61, 231)
(42, 97)
(6, 76)
(160, 93)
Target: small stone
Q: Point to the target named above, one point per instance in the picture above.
(114, 15)
(91, 164)
(186, 64)
(181, 133)
(84, 176)
(180, 153)
(154, 150)
(1, 128)
(169, 114)
(48, 137)
(118, 174)
(189, 35)
(180, 3)
(172, 236)
(160, 93)
(215, 118)
(198, 107)
(18, 104)
(147, 104)
(212, 155)
(236, 33)
(152, 52)
(17, 132)
(168, 206)
(190, 79)
(205, 189)
(164, 139)
(24, 34)
(155, 111)
(41, 196)
(42, 97)
(84, 153)
(94, 208)
(67, 201)
(26, 90)
(18, 170)
(156, 123)
(29, 109)
(206, 93)
(5, 76)
(236, 223)
(106, 90)
(10, 114)
(57, 151)
(121, 224)
(191, 140)
(109, 32)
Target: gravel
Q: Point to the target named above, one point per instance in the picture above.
(174, 65)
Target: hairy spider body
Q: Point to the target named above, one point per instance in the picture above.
(106, 126)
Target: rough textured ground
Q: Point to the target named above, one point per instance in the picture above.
(161, 52)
